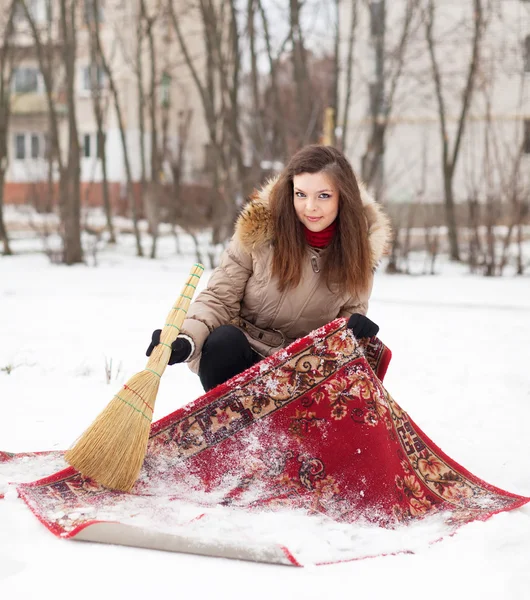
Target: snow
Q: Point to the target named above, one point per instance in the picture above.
(460, 368)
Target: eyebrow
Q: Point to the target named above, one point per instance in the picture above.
(297, 189)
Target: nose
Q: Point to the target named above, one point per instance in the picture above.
(311, 204)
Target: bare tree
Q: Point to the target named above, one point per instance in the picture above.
(256, 112)
(432, 246)
(450, 151)
(300, 72)
(6, 72)
(219, 91)
(153, 192)
(279, 141)
(497, 181)
(506, 201)
(69, 170)
(343, 116)
(138, 68)
(517, 192)
(121, 125)
(389, 67)
(322, 73)
(100, 106)
(174, 157)
(71, 199)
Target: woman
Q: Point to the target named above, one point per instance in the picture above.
(303, 253)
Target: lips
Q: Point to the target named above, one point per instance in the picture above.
(313, 219)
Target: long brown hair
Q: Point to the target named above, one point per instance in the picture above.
(347, 261)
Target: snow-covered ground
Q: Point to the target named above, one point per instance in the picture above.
(460, 368)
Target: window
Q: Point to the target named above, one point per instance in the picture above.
(526, 142)
(88, 11)
(29, 145)
(87, 145)
(90, 146)
(92, 72)
(26, 80)
(35, 146)
(527, 54)
(20, 146)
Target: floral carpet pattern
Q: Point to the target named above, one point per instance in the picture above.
(310, 429)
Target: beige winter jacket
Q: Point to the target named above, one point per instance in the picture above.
(242, 292)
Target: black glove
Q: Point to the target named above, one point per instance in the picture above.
(362, 327)
(180, 349)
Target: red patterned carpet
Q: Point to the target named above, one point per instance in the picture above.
(310, 432)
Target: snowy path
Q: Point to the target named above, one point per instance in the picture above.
(460, 368)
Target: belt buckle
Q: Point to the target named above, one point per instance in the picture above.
(282, 336)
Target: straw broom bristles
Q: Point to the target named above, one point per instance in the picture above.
(112, 449)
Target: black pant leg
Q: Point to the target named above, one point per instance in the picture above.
(226, 353)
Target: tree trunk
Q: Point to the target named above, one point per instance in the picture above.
(450, 158)
(128, 173)
(69, 175)
(95, 85)
(177, 169)
(141, 101)
(117, 105)
(280, 143)
(105, 183)
(154, 186)
(450, 216)
(256, 128)
(519, 260)
(349, 76)
(219, 97)
(6, 71)
(300, 75)
(50, 184)
(474, 238)
(3, 231)
(4, 121)
(71, 202)
(389, 66)
(99, 112)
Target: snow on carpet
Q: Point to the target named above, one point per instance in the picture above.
(60, 326)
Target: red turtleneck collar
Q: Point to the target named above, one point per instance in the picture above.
(320, 239)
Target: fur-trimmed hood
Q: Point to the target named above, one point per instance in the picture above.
(241, 292)
(254, 224)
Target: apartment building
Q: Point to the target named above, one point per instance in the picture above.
(498, 125)
(177, 98)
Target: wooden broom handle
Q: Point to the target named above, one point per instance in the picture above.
(160, 356)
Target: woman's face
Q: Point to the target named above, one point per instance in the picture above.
(316, 200)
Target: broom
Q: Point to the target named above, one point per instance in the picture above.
(112, 449)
